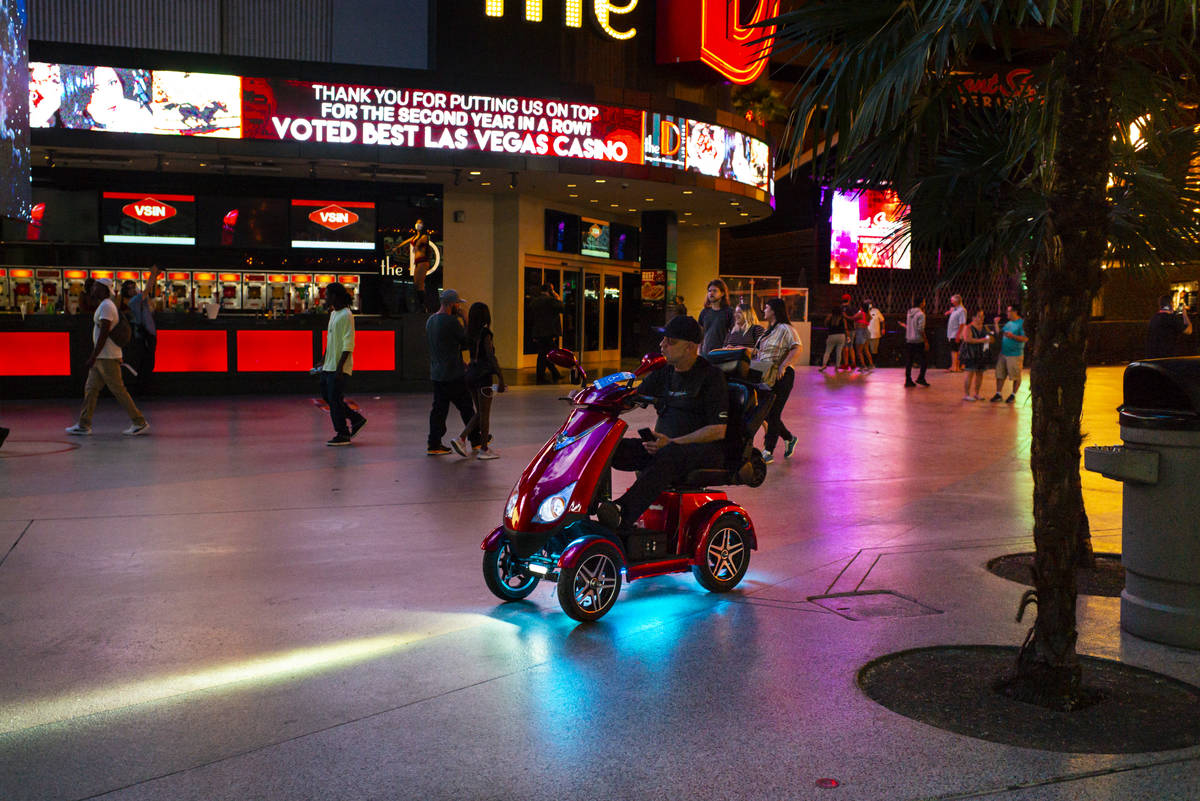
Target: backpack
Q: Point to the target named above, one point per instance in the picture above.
(121, 333)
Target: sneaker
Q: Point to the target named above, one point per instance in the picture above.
(460, 446)
(790, 447)
(487, 454)
(354, 429)
(3, 435)
(609, 514)
(910, 384)
(136, 430)
(921, 382)
(1011, 398)
(78, 430)
(340, 439)
(821, 369)
(475, 448)
(437, 450)
(768, 457)
(997, 398)
(968, 397)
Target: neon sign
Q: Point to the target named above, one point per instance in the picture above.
(602, 13)
(711, 31)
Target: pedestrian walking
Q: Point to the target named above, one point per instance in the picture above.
(835, 340)
(916, 345)
(104, 364)
(140, 354)
(746, 331)
(875, 329)
(446, 334)
(1012, 352)
(1166, 326)
(484, 378)
(339, 366)
(848, 361)
(545, 327)
(862, 337)
(974, 355)
(716, 318)
(781, 348)
(957, 318)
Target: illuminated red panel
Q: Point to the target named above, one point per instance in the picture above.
(191, 352)
(76, 274)
(41, 353)
(373, 350)
(274, 351)
(102, 273)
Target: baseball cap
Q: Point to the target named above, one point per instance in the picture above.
(449, 296)
(108, 282)
(845, 298)
(682, 327)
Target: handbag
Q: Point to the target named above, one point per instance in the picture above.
(767, 369)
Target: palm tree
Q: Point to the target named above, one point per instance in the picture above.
(1095, 163)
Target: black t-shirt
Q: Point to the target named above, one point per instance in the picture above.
(1165, 328)
(688, 401)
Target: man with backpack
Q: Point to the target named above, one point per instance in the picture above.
(109, 333)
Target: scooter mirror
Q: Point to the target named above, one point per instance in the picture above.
(650, 363)
(561, 357)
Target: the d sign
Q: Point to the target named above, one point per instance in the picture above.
(712, 31)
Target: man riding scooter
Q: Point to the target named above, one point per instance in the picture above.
(692, 402)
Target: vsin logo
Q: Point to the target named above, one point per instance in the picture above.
(333, 217)
(149, 211)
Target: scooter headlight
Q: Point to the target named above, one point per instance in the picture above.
(553, 507)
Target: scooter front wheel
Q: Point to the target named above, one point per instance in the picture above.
(587, 591)
(725, 556)
(504, 577)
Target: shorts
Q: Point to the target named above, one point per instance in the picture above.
(1008, 367)
(860, 336)
(874, 344)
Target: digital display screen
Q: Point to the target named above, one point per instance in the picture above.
(148, 218)
(595, 235)
(562, 232)
(201, 104)
(14, 113)
(58, 216)
(243, 222)
(864, 234)
(623, 243)
(333, 224)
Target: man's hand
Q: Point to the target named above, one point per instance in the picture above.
(660, 441)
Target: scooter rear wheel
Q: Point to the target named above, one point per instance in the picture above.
(587, 591)
(504, 578)
(725, 556)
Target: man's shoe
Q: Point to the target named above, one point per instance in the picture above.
(1011, 398)
(475, 448)
(78, 430)
(790, 447)
(460, 446)
(910, 383)
(997, 398)
(490, 453)
(609, 514)
(354, 429)
(921, 382)
(768, 457)
(3, 436)
(136, 430)
(437, 450)
(340, 439)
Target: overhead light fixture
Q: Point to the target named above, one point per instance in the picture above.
(745, 214)
(648, 199)
(687, 191)
(571, 186)
(572, 195)
(476, 172)
(721, 223)
(485, 183)
(600, 181)
(630, 209)
(734, 203)
(593, 200)
(687, 214)
(613, 205)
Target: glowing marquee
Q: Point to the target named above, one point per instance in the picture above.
(602, 12)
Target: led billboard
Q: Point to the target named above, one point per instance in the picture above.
(148, 218)
(865, 234)
(14, 113)
(333, 224)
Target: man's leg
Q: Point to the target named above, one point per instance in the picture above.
(437, 415)
(666, 467)
(1001, 374)
(335, 397)
(110, 371)
(146, 368)
(1014, 370)
(923, 360)
(91, 393)
(460, 396)
(910, 355)
(953, 355)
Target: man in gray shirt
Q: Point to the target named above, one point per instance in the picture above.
(956, 320)
(446, 333)
(916, 344)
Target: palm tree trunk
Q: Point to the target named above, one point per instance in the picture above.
(1063, 288)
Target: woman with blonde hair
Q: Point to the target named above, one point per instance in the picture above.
(746, 329)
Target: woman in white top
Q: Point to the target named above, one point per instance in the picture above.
(780, 347)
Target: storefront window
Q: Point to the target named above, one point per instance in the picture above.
(612, 311)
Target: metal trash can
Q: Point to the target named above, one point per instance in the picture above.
(1160, 520)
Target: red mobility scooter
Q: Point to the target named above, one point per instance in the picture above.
(547, 532)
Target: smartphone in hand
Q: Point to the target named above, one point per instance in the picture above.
(647, 435)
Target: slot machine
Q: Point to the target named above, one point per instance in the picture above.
(278, 292)
(351, 284)
(47, 288)
(179, 291)
(303, 295)
(20, 283)
(231, 290)
(73, 281)
(254, 291)
(5, 294)
(204, 285)
(323, 281)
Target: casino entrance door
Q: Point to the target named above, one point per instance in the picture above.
(594, 299)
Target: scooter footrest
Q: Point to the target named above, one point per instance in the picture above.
(644, 544)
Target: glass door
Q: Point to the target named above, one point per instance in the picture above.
(611, 334)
